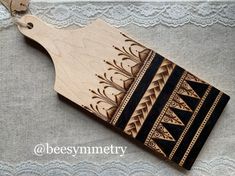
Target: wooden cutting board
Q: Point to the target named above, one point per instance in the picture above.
(129, 86)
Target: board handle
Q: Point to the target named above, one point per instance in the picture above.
(35, 29)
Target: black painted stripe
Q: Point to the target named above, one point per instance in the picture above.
(206, 131)
(160, 103)
(195, 125)
(139, 92)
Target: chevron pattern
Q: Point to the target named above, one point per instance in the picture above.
(140, 114)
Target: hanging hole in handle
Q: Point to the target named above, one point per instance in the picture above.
(30, 25)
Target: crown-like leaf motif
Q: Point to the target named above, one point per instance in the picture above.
(119, 69)
(103, 97)
(109, 82)
(138, 57)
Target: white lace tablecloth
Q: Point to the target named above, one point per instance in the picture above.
(198, 36)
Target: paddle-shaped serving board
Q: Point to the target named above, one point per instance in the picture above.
(150, 98)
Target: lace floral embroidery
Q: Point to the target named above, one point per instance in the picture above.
(172, 14)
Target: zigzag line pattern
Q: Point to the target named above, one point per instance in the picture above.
(140, 114)
(200, 129)
(159, 119)
(189, 123)
(159, 131)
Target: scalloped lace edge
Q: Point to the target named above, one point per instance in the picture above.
(217, 166)
(173, 14)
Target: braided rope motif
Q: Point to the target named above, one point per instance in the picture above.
(140, 114)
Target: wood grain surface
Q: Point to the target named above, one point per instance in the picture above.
(89, 61)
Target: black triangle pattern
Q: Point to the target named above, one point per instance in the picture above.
(190, 101)
(199, 88)
(183, 115)
(166, 146)
(176, 130)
